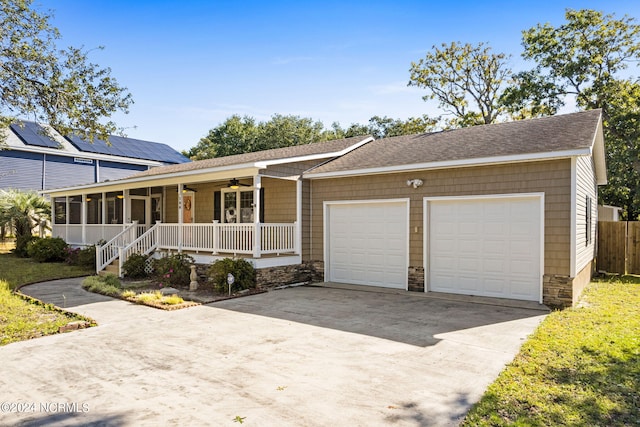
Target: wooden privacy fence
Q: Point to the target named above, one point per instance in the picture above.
(619, 247)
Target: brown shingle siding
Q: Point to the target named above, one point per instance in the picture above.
(550, 177)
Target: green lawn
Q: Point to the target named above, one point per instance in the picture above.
(20, 318)
(580, 368)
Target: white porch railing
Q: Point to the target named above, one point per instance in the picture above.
(93, 233)
(211, 238)
(227, 238)
(144, 244)
(108, 252)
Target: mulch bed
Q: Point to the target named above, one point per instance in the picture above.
(203, 295)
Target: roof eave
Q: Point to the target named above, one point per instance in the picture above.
(519, 158)
(264, 164)
(192, 176)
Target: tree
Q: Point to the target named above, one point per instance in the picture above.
(237, 135)
(40, 82)
(584, 59)
(21, 212)
(466, 80)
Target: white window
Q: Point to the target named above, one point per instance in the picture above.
(237, 205)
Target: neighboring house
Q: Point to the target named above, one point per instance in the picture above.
(506, 210)
(609, 213)
(34, 160)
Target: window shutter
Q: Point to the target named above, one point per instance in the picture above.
(262, 204)
(217, 197)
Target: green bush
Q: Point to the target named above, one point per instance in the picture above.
(173, 269)
(22, 242)
(242, 270)
(87, 257)
(106, 285)
(49, 249)
(135, 266)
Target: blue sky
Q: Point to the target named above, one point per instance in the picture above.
(191, 64)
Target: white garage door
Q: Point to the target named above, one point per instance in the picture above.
(367, 243)
(488, 247)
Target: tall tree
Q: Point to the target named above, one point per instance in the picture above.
(40, 82)
(237, 135)
(466, 80)
(584, 59)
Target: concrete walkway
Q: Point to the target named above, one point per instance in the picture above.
(311, 356)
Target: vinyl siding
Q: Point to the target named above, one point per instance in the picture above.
(20, 170)
(585, 186)
(63, 172)
(279, 201)
(108, 171)
(553, 178)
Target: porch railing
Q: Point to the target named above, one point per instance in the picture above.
(93, 233)
(227, 238)
(211, 238)
(144, 244)
(110, 251)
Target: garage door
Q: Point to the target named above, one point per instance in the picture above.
(367, 243)
(488, 247)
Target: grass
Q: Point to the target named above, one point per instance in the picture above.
(580, 368)
(24, 318)
(22, 271)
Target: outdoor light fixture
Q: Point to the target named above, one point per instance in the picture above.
(120, 196)
(415, 183)
(88, 199)
(185, 189)
(234, 184)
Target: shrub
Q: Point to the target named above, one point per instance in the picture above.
(106, 285)
(22, 242)
(135, 266)
(172, 300)
(49, 249)
(128, 294)
(173, 269)
(111, 280)
(87, 257)
(242, 270)
(71, 255)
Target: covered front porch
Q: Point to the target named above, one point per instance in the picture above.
(257, 217)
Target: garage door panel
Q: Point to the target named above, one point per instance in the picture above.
(485, 247)
(367, 243)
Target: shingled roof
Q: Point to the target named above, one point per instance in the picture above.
(298, 151)
(524, 138)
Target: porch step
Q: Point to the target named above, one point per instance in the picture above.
(111, 268)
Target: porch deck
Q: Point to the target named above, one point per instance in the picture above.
(265, 244)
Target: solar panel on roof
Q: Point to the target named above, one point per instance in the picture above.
(33, 134)
(129, 147)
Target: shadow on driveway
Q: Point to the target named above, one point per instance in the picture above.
(397, 317)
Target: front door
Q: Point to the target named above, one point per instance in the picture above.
(187, 212)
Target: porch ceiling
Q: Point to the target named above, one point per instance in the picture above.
(191, 177)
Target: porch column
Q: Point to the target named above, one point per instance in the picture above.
(67, 205)
(83, 218)
(103, 214)
(257, 184)
(53, 217)
(125, 201)
(180, 216)
(298, 243)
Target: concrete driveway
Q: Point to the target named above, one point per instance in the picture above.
(306, 356)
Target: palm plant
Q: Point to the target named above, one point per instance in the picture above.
(21, 211)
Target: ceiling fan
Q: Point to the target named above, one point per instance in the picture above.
(234, 184)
